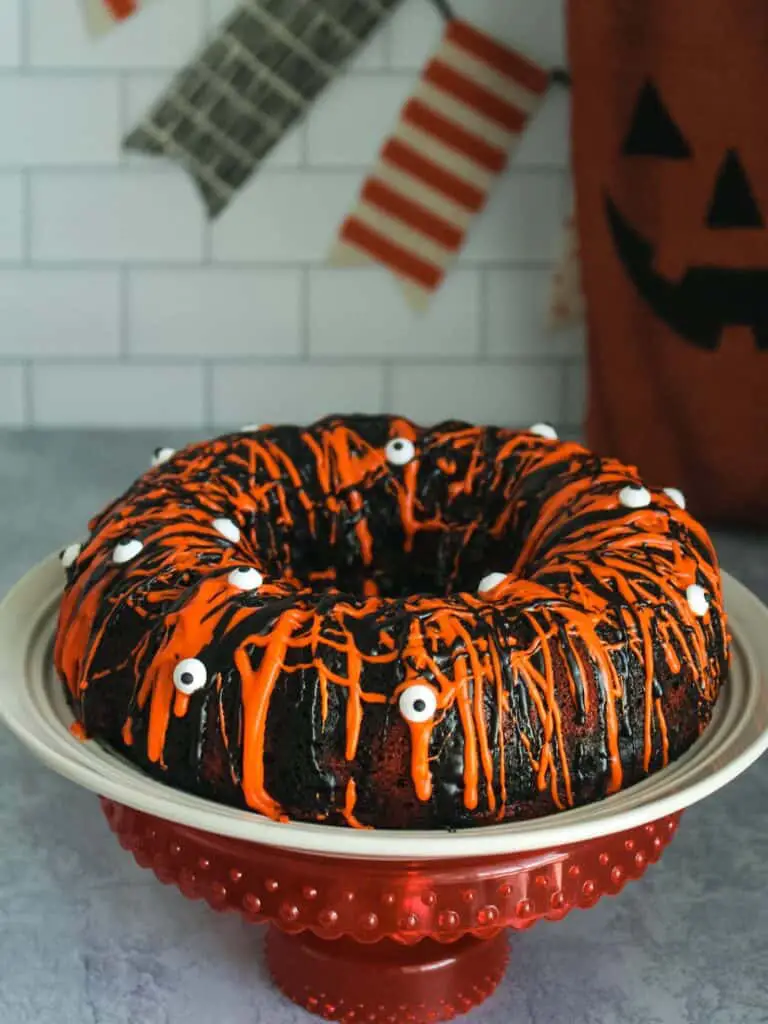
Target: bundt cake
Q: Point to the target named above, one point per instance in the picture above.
(370, 624)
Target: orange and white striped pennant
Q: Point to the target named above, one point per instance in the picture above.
(454, 137)
(102, 15)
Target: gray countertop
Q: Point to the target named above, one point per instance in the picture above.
(86, 937)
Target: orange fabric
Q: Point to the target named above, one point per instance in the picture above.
(671, 167)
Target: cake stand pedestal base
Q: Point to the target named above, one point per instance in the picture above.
(386, 982)
(387, 941)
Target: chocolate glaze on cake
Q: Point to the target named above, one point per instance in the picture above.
(370, 624)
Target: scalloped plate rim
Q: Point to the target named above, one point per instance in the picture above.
(33, 707)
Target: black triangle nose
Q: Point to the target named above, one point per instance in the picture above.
(733, 202)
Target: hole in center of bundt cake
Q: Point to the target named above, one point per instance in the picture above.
(436, 565)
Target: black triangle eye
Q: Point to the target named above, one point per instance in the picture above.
(733, 201)
(653, 131)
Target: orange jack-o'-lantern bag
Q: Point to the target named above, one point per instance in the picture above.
(670, 145)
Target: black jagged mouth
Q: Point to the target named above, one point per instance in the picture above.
(704, 301)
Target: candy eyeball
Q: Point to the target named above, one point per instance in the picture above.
(697, 599)
(545, 430)
(161, 455)
(189, 676)
(635, 497)
(490, 582)
(70, 554)
(126, 550)
(676, 495)
(246, 578)
(229, 530)
(418, 703)
(400, 451)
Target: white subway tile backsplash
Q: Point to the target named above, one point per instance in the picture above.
(523, 220)
(293, 394)
(287, 217)
(119, 396)
(50, 120)
(364, 313)
(122, 215)
(128, 308)
(354, 118)
(59, 313)
(503, 394)
(546, 140)
(534, 26)
(516, 315)
(12, 214)
(215, 312)
(164, 35)
(10, 33)
(12, 396)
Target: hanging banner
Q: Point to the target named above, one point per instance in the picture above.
(225, 112)
(455, 136)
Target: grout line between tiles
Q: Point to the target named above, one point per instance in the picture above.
(303, 168)
(176, 265)
(184, 360)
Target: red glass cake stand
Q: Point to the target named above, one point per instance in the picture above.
(369, 925)
(386, 941)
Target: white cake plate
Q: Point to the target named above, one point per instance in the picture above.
(32, 705)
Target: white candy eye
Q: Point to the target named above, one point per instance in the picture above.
(697, 598)
(190, 675)
(544, 430)
(250, 428)
(70, 554)
(677, 496)
(227, 529)
(126, 550)
(493, 579)
(400, 451)
(161, 455)
(246, 578)
(635, 497)
(418, 703)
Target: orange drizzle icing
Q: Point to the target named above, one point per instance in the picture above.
(589, 581)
